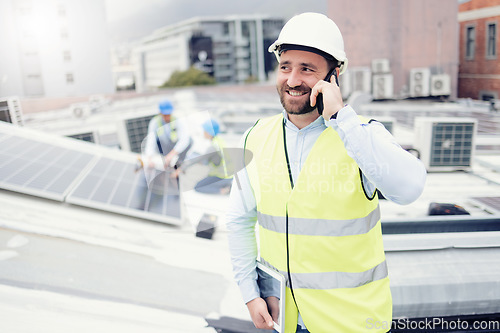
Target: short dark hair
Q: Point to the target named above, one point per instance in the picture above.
(333, 64)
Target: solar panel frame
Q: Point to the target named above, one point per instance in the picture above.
(115, 186)
(36, 168)
(56, 168)
(490, 203)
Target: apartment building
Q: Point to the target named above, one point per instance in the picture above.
(233, 49)
(479, 70)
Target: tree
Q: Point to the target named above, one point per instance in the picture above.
(190, 77)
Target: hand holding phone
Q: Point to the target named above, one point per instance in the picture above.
(319, 99)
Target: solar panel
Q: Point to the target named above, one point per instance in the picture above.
(491, 204)
(37, 168)
(116, 186)
(67, 170)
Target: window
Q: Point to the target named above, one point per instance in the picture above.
(245, 29)
(470, 43)
(487, 95)
(67, 56)
(61, 10)
(24, 8)
(491, 40)
(64, 33)
(225, 28)
(69, 78)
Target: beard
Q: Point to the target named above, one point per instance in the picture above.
(295, 107)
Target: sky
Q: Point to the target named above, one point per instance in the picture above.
(131, 20)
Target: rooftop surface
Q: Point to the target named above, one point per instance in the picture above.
(71, 267)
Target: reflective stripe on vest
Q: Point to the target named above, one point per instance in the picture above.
(161, 130)
(319, 227)
(220, 170)
(334, 280)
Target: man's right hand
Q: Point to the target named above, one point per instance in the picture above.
(259, 313)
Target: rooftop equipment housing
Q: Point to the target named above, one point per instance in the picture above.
(445, 144)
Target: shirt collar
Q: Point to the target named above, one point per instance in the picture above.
(315, 124)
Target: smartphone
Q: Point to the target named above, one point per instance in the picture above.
(319, 99)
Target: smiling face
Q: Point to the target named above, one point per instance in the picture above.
(298, 72)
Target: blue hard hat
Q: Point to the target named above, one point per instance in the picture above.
(211, 127)
(166, 107)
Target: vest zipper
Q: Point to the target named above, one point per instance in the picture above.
(286, 156)
(286, 220)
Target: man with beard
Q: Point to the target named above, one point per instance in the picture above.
(311, 185)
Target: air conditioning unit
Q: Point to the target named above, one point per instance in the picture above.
(383, 86)
(388, 122)
(440, 85)
(80, 110)
(10, 111)
(445, 144)
(419, 82)
(381, 66)
(80, 131)
(361, 78)
(90, 136)
(132, 130)
(345, 84)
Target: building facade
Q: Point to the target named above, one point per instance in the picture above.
(54, 48)
(479, 70)
(233, 49)
(413, 44)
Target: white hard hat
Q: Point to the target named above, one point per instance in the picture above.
(312, 30)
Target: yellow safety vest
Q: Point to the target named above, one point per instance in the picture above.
(220, 170)
(161, 130)
(324, 234)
